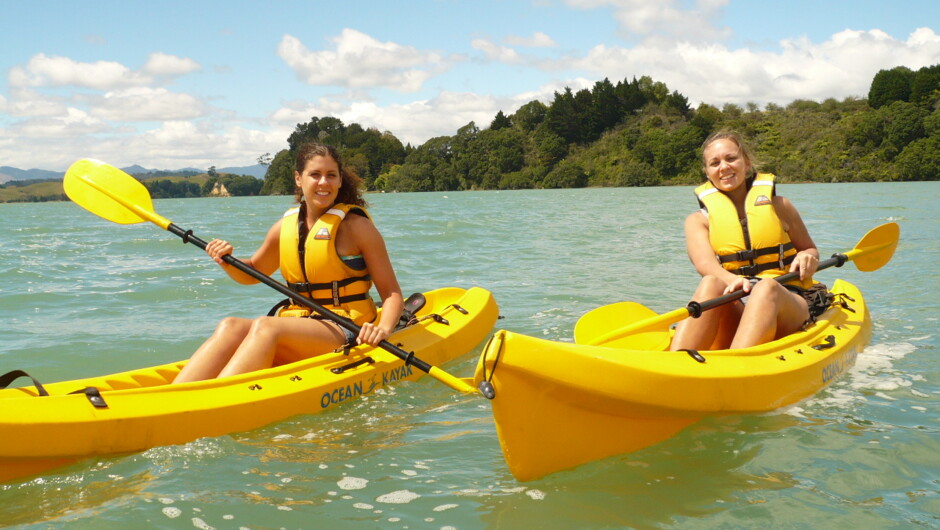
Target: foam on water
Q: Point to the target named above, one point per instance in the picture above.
(397, 497)
(352, 483)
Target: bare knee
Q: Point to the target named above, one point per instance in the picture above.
(263, 328)
(767, 289)
(233, 325)
(709, 287)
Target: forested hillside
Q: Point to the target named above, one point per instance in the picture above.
(639, 133)
(633, 133)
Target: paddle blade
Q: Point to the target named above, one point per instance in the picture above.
(876, 248)
(106, 191)
(601, 320)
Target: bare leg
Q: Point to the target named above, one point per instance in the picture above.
(289, 339)
(216, 351)
(714, 329)
(772, 311)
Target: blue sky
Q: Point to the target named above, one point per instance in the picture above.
(199, 83)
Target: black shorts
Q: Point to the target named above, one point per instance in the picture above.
(818, 298)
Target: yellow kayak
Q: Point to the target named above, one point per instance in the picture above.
(558, 405)
(135, 410)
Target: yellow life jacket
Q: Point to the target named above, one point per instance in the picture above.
(757, 246)
(315, 270)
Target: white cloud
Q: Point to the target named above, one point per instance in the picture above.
(56, 71)
(664, 19)
(840, 67)
(147, 104)
(30, 103)
(57, 108)
(74, 122)
(45, 71)
(162, 64)
(184, 143)
(537, 40)
(413, 122)
(358, 60)
(495, 52)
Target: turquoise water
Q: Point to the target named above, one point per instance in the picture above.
(80, 296)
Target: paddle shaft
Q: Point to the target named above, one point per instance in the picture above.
(409, 357)
(188, 237)
(695, 309)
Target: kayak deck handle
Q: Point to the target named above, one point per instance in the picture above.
(828, 342)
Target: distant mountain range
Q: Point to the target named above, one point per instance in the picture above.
(8, 173)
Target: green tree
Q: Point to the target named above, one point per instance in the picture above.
(279, 178)
(890, 85)
(904, 123)
(678, 102)
(566, 176)
(564, 118)
(530, 115)
(868, 131)
(932, 123)
(208, 185)
(242, 185)
(631, 96)
(920, 160)
(549, 147)
(500, 122)
(605, 107)
(925, 86)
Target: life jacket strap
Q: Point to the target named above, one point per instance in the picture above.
(339, 300)
(754, 270)
(753, 253)
(305, 287)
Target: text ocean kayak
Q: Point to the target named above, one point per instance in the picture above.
(142, 410)
(558, 405)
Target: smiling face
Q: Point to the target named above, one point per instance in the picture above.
(320, 182)
(726, 165)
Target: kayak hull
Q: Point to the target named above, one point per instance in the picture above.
(558, 405)
(143, 410)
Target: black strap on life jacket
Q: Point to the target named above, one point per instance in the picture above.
(303, 231)
(751, 254)
(754, 270)
(339, 300)
(306, 287)
(321, 301)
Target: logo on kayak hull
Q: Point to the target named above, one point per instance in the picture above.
(344, 393)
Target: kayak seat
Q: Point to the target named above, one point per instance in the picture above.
(412, 305)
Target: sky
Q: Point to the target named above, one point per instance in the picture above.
(199, 83)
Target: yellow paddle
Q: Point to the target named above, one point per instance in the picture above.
(648, 331)
(110, 193)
